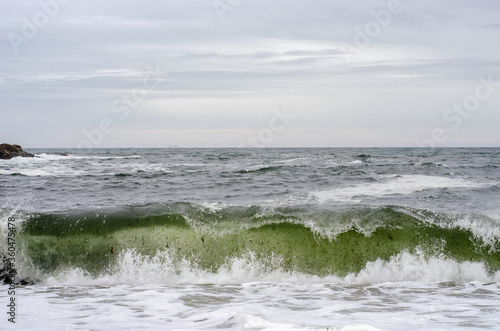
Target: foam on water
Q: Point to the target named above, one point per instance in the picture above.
(188, 240)
(404, 184)
(47, 172)
(55, 157)
(248, 294)
(261, 306)
(294, 160)
(62, 166)
(163, 268)
(252, 322)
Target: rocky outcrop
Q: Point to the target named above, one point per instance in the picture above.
(8, 276)
(8, 151)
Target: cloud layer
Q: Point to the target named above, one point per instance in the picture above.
(364, 73)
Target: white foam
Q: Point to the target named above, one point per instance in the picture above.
(53, 157)
(56, 157)
(359, 328)
(54, 165)
(294, 160)
(405, 184)
(189, 165)
(406, 292)
(163, 268)
(213, 206)
(140, 167)
(251, 322)
(261, 306)
(44, 157)
(405, 267)
(27, 172)
(257, 167)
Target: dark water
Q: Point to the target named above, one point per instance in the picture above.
(124, 177)
(320, 211)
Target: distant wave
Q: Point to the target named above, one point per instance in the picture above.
(405, 184)
(257, 169)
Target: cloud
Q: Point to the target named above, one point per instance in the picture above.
(284, 52)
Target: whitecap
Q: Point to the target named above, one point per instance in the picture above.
(405, 184)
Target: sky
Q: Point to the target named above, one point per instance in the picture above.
(250, 73)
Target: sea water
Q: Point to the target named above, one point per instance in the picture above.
(252, 239)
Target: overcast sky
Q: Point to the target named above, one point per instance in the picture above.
(227, 73)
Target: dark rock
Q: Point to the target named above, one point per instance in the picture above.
(8, 151)
(8, 275)
(63, 154)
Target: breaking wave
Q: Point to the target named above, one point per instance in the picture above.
(183, 242)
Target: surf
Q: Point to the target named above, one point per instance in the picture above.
(305, 241)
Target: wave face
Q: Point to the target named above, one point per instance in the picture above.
(242, 215)
(209, 240)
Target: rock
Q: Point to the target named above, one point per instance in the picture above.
(8, 151)
(63, 154)
(8, 276)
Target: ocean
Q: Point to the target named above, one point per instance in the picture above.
(251, 239)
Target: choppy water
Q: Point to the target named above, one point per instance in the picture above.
(264, 239)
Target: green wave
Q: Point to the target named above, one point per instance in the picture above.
(317, 242)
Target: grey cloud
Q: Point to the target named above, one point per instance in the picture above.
(92, 52)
